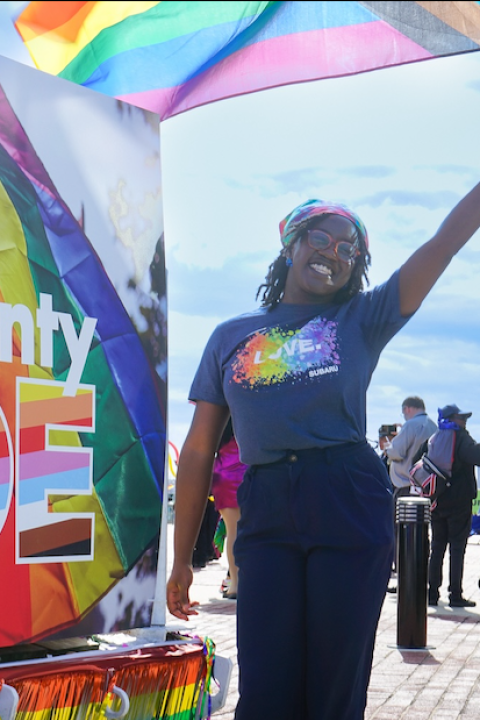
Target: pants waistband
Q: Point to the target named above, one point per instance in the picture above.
(327, 454)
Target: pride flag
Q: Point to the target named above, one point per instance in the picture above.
(169, 57)
(100, 446)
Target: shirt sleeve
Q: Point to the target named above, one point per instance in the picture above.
(468, 451)
(207, 383)
(381, 312)
(399, 445)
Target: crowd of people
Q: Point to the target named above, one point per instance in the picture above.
(451, 508)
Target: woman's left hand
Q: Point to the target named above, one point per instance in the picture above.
(178, 601)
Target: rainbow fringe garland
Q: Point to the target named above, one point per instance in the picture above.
(166, 682)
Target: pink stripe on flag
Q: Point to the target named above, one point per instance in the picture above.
(4, 470)
(44, 462)
(300, 57)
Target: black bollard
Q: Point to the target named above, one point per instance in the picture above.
(412, 519)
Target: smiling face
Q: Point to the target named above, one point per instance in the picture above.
(316, 275)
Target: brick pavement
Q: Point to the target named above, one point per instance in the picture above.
(440, 682)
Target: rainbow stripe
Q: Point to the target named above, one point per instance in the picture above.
(43, 463)
(169, 57)
(108, 440)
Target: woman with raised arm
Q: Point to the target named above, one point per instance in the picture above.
(316, 501)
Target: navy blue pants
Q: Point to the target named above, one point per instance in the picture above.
(314, 550)
(453, 529)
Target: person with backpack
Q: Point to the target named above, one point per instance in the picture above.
(451, 519)
(402, 449)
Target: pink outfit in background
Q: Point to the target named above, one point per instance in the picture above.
(227, 475)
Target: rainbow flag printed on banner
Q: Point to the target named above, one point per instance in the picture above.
(82, 414)
(170, 57)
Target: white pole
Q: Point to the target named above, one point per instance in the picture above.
(159, 611)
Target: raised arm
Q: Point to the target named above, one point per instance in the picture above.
(399, 445)
(422, 269)
(192, 486)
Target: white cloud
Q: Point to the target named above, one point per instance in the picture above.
(188, 333)
(406, 137)
(441, 370)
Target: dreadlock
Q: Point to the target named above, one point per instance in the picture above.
(276, 277)
(274, 282)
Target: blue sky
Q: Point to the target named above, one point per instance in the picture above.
(400, 146)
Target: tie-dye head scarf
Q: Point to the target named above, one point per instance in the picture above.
(289, 225)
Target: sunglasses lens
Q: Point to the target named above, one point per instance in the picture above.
(345, 251)
(318, 239)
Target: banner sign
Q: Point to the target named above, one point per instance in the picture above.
(82, 359)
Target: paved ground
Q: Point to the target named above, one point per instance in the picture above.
(440, 681)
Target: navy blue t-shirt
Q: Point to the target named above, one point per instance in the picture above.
(296, 377)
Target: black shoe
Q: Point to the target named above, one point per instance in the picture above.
(461, 602)
(391, 589)
(199, 564)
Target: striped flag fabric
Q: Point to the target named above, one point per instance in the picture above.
(116, 414)
(170, 57)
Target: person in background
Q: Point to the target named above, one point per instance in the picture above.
(386, 433)
(403, 448)
(227, 476)
(451, 520)
(316, 501)
(204, 549)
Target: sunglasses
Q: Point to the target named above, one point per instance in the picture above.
(321, 240)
